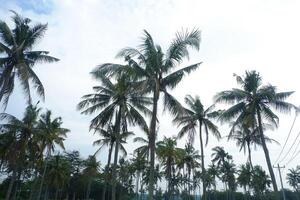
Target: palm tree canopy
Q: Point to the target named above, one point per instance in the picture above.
(253, 96)
(51, 132)
(153, 69)
(17, 56)
(194, 116)
(107, 99)
(109, 138)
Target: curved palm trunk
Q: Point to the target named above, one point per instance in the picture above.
(152, 141)
(202, 159)
(114, 169)
(266, 151)
(107, 171)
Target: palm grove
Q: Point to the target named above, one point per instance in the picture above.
(130, 95)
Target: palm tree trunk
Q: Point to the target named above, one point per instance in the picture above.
(202, 159)
(107, 171)
(266, 152)
(249, 156)
(44, 173)
(137, 184)
(114, 169)
(152, 140)
(11, 184)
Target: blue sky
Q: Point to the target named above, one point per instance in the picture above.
(236, 35)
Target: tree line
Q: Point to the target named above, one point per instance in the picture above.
(127, 96)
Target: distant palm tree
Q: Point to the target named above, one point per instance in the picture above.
(244, 177)
(252, 104)
(18, 57)
(109, 138)
(91, 170)
(260, 181)
(169, 153)
(58, 174)
(196, 116)
(219, 155)
(117, 101)
(50, 134)
(139, 164)
(293, 179)
(154, 71)
(246, 136)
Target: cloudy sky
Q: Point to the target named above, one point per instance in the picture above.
(236, 36)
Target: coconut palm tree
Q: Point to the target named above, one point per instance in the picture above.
(91, 170)
(139, 164)
(246, 136)
(51, 134)
(252, 104)
(244, 177)
(168, 153)
(58, 174)
(17, 57)
(293, 179)
(154, 71)
(116, 101)
(194, 117)
(260, 181)
(109, 138)
(22, 132)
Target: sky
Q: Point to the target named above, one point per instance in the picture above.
(236, 35)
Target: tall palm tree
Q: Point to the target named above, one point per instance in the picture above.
(91, 170)
(169, 153)
(196, 116)
(246, 136)
(244, 177)
(117, 101)
(109, 138)
(50, 134)
(252, 104)
(22, 132)
(17, 57)
(189, 157)
(139, 164)
(154, 71)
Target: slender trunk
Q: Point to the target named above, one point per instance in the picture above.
(107, 171)
(202, 160)
(152, 140)
(249, 155)
(266, 151)
(137, 184)
(11, 184)
(44, 173)
(114, 169)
